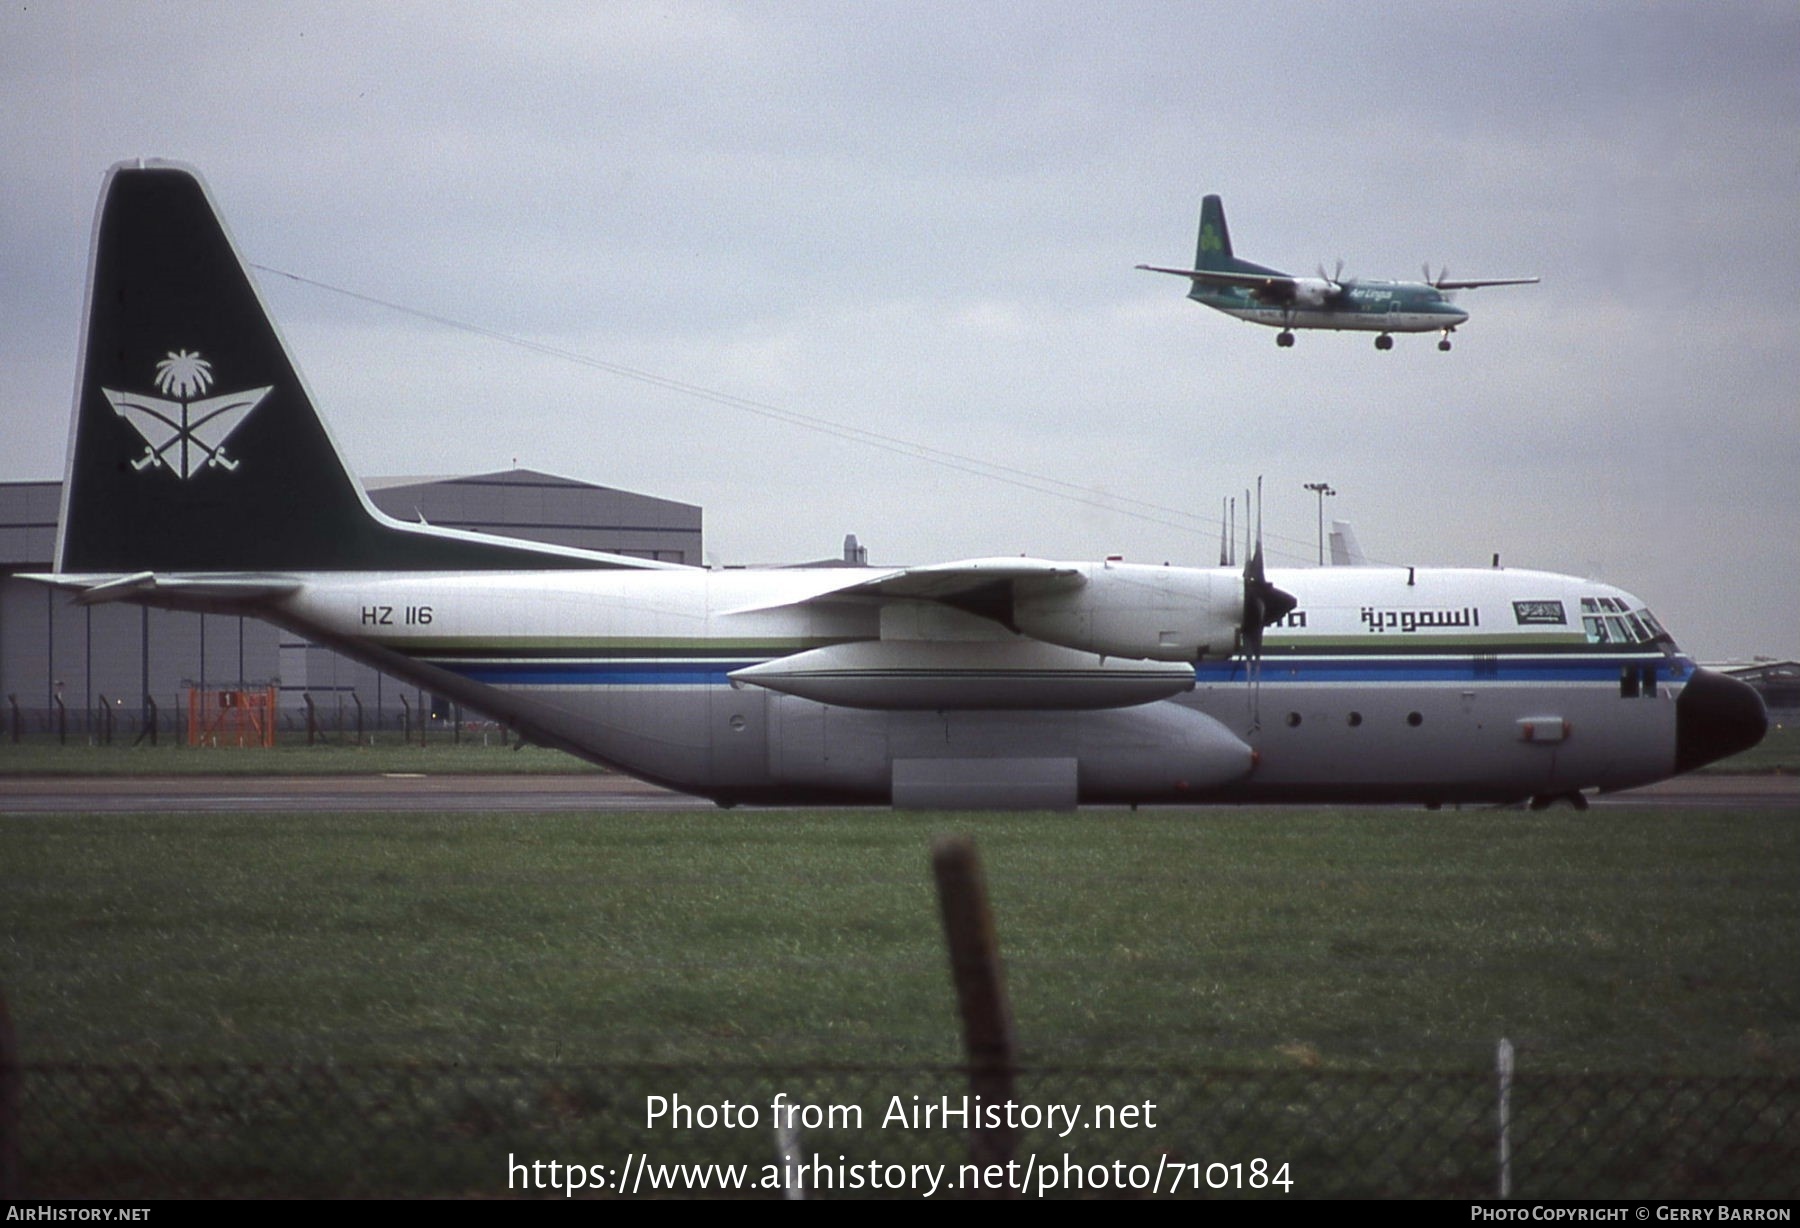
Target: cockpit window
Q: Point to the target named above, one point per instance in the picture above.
(1610, 620)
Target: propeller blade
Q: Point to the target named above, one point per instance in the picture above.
(1264, 606)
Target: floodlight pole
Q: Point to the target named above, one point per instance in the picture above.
(1320, 489)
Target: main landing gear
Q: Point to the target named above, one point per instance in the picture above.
(1384, 342)
(1285, 338)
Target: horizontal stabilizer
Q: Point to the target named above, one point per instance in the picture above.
(153, 589)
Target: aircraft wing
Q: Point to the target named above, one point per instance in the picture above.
(1475, 283)
(1271, 286)
(941, 581)
(950, 583)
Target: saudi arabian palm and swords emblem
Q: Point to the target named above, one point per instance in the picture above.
(186, 434)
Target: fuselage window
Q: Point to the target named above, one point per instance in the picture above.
(1596, 629)
(1355, 719)
(1293, 720)
(1415, 719)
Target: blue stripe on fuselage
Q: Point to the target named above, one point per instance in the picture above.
(1398, 670)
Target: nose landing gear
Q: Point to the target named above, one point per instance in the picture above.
(1445, 343)
(1384, 342)
(1284, 339)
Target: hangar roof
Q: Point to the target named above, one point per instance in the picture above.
(513, 503)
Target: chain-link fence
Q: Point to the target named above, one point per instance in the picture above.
(339, 719)
(471, 1131)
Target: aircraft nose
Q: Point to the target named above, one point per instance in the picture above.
(1716, 716)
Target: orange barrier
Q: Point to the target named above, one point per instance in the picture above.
(231, 718)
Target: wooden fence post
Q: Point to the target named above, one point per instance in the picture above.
(980, 991)
(12, 1105)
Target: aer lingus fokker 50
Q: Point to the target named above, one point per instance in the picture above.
(1280, 300)
(200, 477)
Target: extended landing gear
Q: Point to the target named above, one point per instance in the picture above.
(1444, 345)
(1384, 342)
(1285, 339)
(1545, 801)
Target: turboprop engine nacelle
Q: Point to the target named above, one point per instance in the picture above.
(1137, 610)
(1314, 291)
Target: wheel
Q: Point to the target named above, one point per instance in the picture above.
(1284, 339)
(1384, 342)
(1444, 345)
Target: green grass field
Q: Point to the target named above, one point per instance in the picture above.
(290, 756)
(1643, 940)
(478, 752)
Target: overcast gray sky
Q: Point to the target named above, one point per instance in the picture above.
(921, 220)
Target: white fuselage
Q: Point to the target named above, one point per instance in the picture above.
(1383, 684)
(1349, 321)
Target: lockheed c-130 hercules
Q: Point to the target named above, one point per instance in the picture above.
(990, 681)
(1329, 301)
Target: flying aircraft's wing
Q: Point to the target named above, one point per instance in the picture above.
(1219, 278)
(1475, 283)
(1271, 284)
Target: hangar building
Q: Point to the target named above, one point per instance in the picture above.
(60, 662)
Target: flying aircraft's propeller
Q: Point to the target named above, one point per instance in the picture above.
(1437, 283)
(1264, 606)
(1336, 279)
